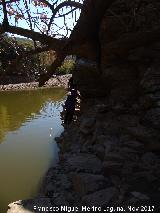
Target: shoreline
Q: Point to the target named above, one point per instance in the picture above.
(56, 81)
(116, 159)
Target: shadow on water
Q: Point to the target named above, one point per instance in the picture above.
(29, 122)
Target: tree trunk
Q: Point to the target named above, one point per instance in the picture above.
(58, 61)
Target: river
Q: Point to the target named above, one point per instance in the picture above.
(29, 122)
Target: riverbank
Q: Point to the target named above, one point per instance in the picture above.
(56, 81)
(107, 158)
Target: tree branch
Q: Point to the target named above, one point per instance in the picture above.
(48, 4)
(58, 61)
(30, 20)
(61, 5)
(5, 20)
(44, 39)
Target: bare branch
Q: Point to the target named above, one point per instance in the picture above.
(60, 6)
(8, 2)
(29, 16)
(5, 20)
(30, 20)
(48, 4)
(65, 14)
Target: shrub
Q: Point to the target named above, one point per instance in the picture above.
(67, 67)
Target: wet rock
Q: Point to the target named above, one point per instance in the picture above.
(58, 139)
(100, 198)
(84, 162)
(84, 183)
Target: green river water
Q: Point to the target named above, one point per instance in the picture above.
(29, 122)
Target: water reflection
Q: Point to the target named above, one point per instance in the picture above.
(17, 107)
(29, 121)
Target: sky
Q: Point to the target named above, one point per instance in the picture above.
(58, 29)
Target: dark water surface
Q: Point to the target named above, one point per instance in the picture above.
(29, 122)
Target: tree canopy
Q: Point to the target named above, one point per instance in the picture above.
(48, 22)
(83, 40)
(71, 27)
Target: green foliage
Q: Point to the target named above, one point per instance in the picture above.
(30, 65)
(67, 67)
(26, 43)
(46, 59)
